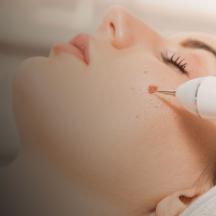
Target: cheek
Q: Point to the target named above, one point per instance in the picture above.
(199, 64)
(127, 115)
(110, 110)
(103, 126)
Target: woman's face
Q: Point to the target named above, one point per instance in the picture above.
(92, 113)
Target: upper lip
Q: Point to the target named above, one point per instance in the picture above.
(77, 46)
(81, 42)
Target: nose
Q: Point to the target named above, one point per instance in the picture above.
(124, 30)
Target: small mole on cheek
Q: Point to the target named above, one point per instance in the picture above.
(152, 89)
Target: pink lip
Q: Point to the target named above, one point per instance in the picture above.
(78, 46)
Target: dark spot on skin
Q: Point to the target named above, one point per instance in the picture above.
(152, 89)
(137, 116)
(145, 72)
(132, 88)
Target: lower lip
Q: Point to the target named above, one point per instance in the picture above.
(78, 46)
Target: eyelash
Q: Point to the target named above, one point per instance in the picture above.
(175, 60)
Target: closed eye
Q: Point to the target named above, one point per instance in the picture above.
(177, 61)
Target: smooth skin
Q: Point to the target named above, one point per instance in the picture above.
(99, 125)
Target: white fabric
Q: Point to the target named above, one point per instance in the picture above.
(203, 206)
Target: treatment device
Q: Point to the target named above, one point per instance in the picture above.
(197, 96)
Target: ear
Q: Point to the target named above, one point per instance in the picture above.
(177, 202)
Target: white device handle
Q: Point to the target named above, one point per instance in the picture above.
(199, 96)
(206, 98)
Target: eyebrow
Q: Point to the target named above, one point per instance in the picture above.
(196, 44)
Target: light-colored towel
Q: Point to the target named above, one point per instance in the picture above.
(203, 206)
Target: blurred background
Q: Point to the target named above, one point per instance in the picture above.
(29, 185)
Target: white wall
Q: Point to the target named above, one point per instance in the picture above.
(46, 21)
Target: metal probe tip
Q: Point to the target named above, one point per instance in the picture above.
(154, 89)
(173, 93)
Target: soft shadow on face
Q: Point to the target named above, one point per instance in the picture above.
(200, 132)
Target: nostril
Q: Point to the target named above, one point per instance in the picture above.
(118, 32)
(112, 26)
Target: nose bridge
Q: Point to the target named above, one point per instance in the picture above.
(127, 30)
